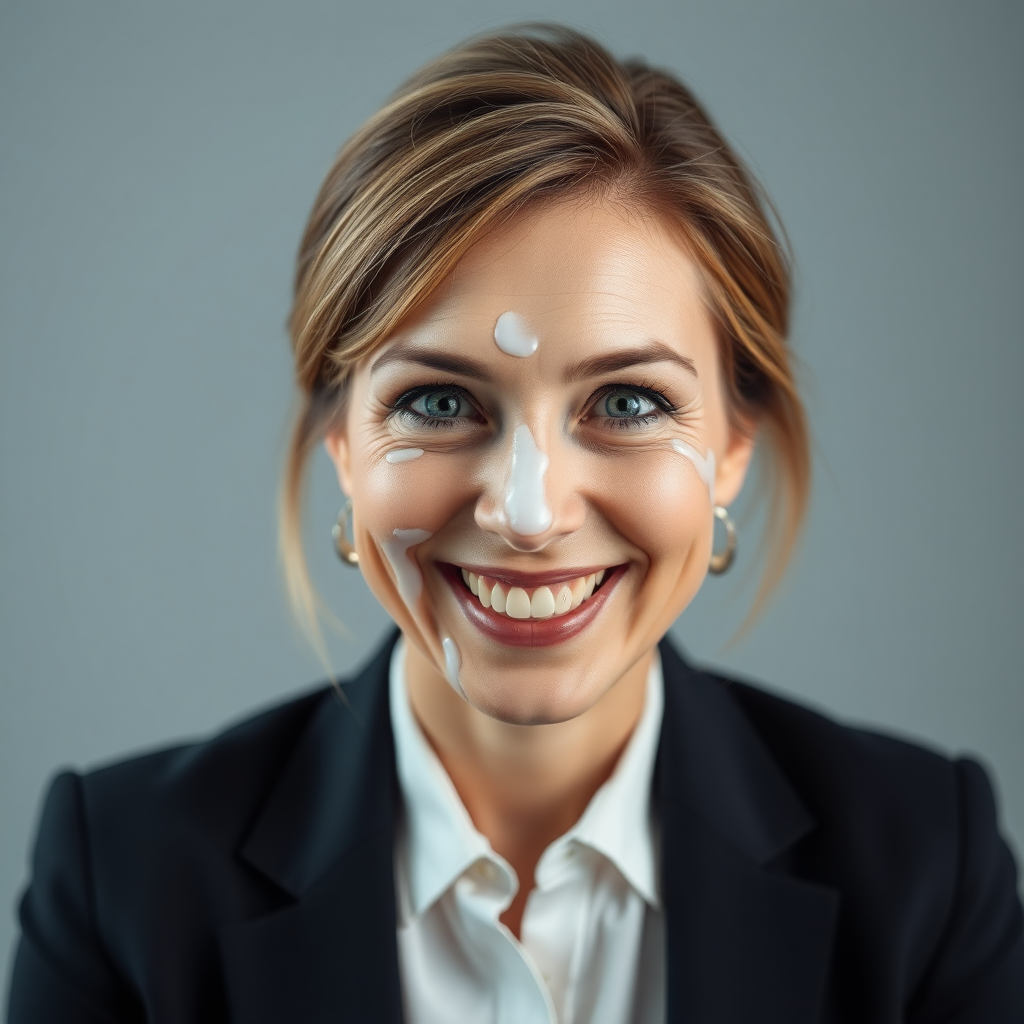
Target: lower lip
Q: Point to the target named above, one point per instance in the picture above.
(530, 632)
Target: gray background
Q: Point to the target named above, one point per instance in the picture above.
(157, 162)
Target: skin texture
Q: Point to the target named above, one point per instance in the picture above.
(540, 727)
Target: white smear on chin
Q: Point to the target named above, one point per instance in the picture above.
(704, 464)
(452, 664)
(407, 572)
(525, 506)
(403, 454)
(512, 337)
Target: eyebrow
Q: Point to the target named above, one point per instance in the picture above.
(595, 366)
(653, 352)
(444, 361)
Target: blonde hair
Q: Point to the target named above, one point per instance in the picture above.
(507, 120)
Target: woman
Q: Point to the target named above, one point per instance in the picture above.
(539, 322)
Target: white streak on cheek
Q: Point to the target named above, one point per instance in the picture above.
(705, 465)
(512, 337)
(407, 572)
(525, 505)
(403, 454)
(452, 664)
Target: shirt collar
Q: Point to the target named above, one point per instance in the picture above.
(439, 841)
(619, 821)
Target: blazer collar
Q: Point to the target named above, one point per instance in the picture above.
(325, 835)
(744, 940)
(712, 763)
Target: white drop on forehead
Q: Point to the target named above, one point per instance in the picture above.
(512, 336)
(704, 464)
(407, 572)
(452, 664)
(525, 505)
(403, 454)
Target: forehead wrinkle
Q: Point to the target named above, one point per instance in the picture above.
(481, 258)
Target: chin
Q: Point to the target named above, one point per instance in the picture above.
(531, 697)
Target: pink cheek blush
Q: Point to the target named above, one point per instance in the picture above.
(705, 465)
(403, 454)
(512, 336)
(525, 504)
(452, 664)
(407, 572)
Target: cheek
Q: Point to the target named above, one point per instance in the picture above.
(658, 502)
(422, 493)
(416, 497)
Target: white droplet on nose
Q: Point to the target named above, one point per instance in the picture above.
(512, 336)
(704, 464)
(525, 504)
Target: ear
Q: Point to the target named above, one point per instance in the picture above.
(731, 468)
(336, 446)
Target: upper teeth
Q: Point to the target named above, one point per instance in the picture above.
(541, 603)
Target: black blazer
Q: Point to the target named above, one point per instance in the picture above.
(811, 872)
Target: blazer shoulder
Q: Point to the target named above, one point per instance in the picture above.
(237, 760)
(149, 838)
(911, 837)
(872, 779)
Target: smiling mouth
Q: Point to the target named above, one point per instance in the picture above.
(533, 609)
(543, 602)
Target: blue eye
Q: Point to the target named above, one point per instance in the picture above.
(441, 405)
(436, 407)
(630, 405)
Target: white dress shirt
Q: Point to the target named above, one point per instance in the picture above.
(593, 940)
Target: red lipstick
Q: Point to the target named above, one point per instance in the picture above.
(530, 632)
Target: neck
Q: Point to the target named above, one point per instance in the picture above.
(524, 785)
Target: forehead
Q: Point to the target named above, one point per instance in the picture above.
(582, 272)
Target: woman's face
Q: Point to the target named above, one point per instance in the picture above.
(555, 412)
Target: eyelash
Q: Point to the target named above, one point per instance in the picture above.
(646, 390)
(401, 406)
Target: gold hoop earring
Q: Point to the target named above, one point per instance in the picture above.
(343, 547)
(720, 563)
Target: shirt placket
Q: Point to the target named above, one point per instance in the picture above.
(482, 894)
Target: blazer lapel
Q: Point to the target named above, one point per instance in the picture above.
(745, 941)
(326, 836)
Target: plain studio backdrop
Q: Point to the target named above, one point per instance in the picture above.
(157, 163)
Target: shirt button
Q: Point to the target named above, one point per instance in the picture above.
(486, 871)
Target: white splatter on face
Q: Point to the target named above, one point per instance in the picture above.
(407, 572)
(541, 474)
(397, 455)
(704, 464)
(512, 336)
(452, 664)
(525, 506)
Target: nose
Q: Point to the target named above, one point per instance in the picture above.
(531, 493)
